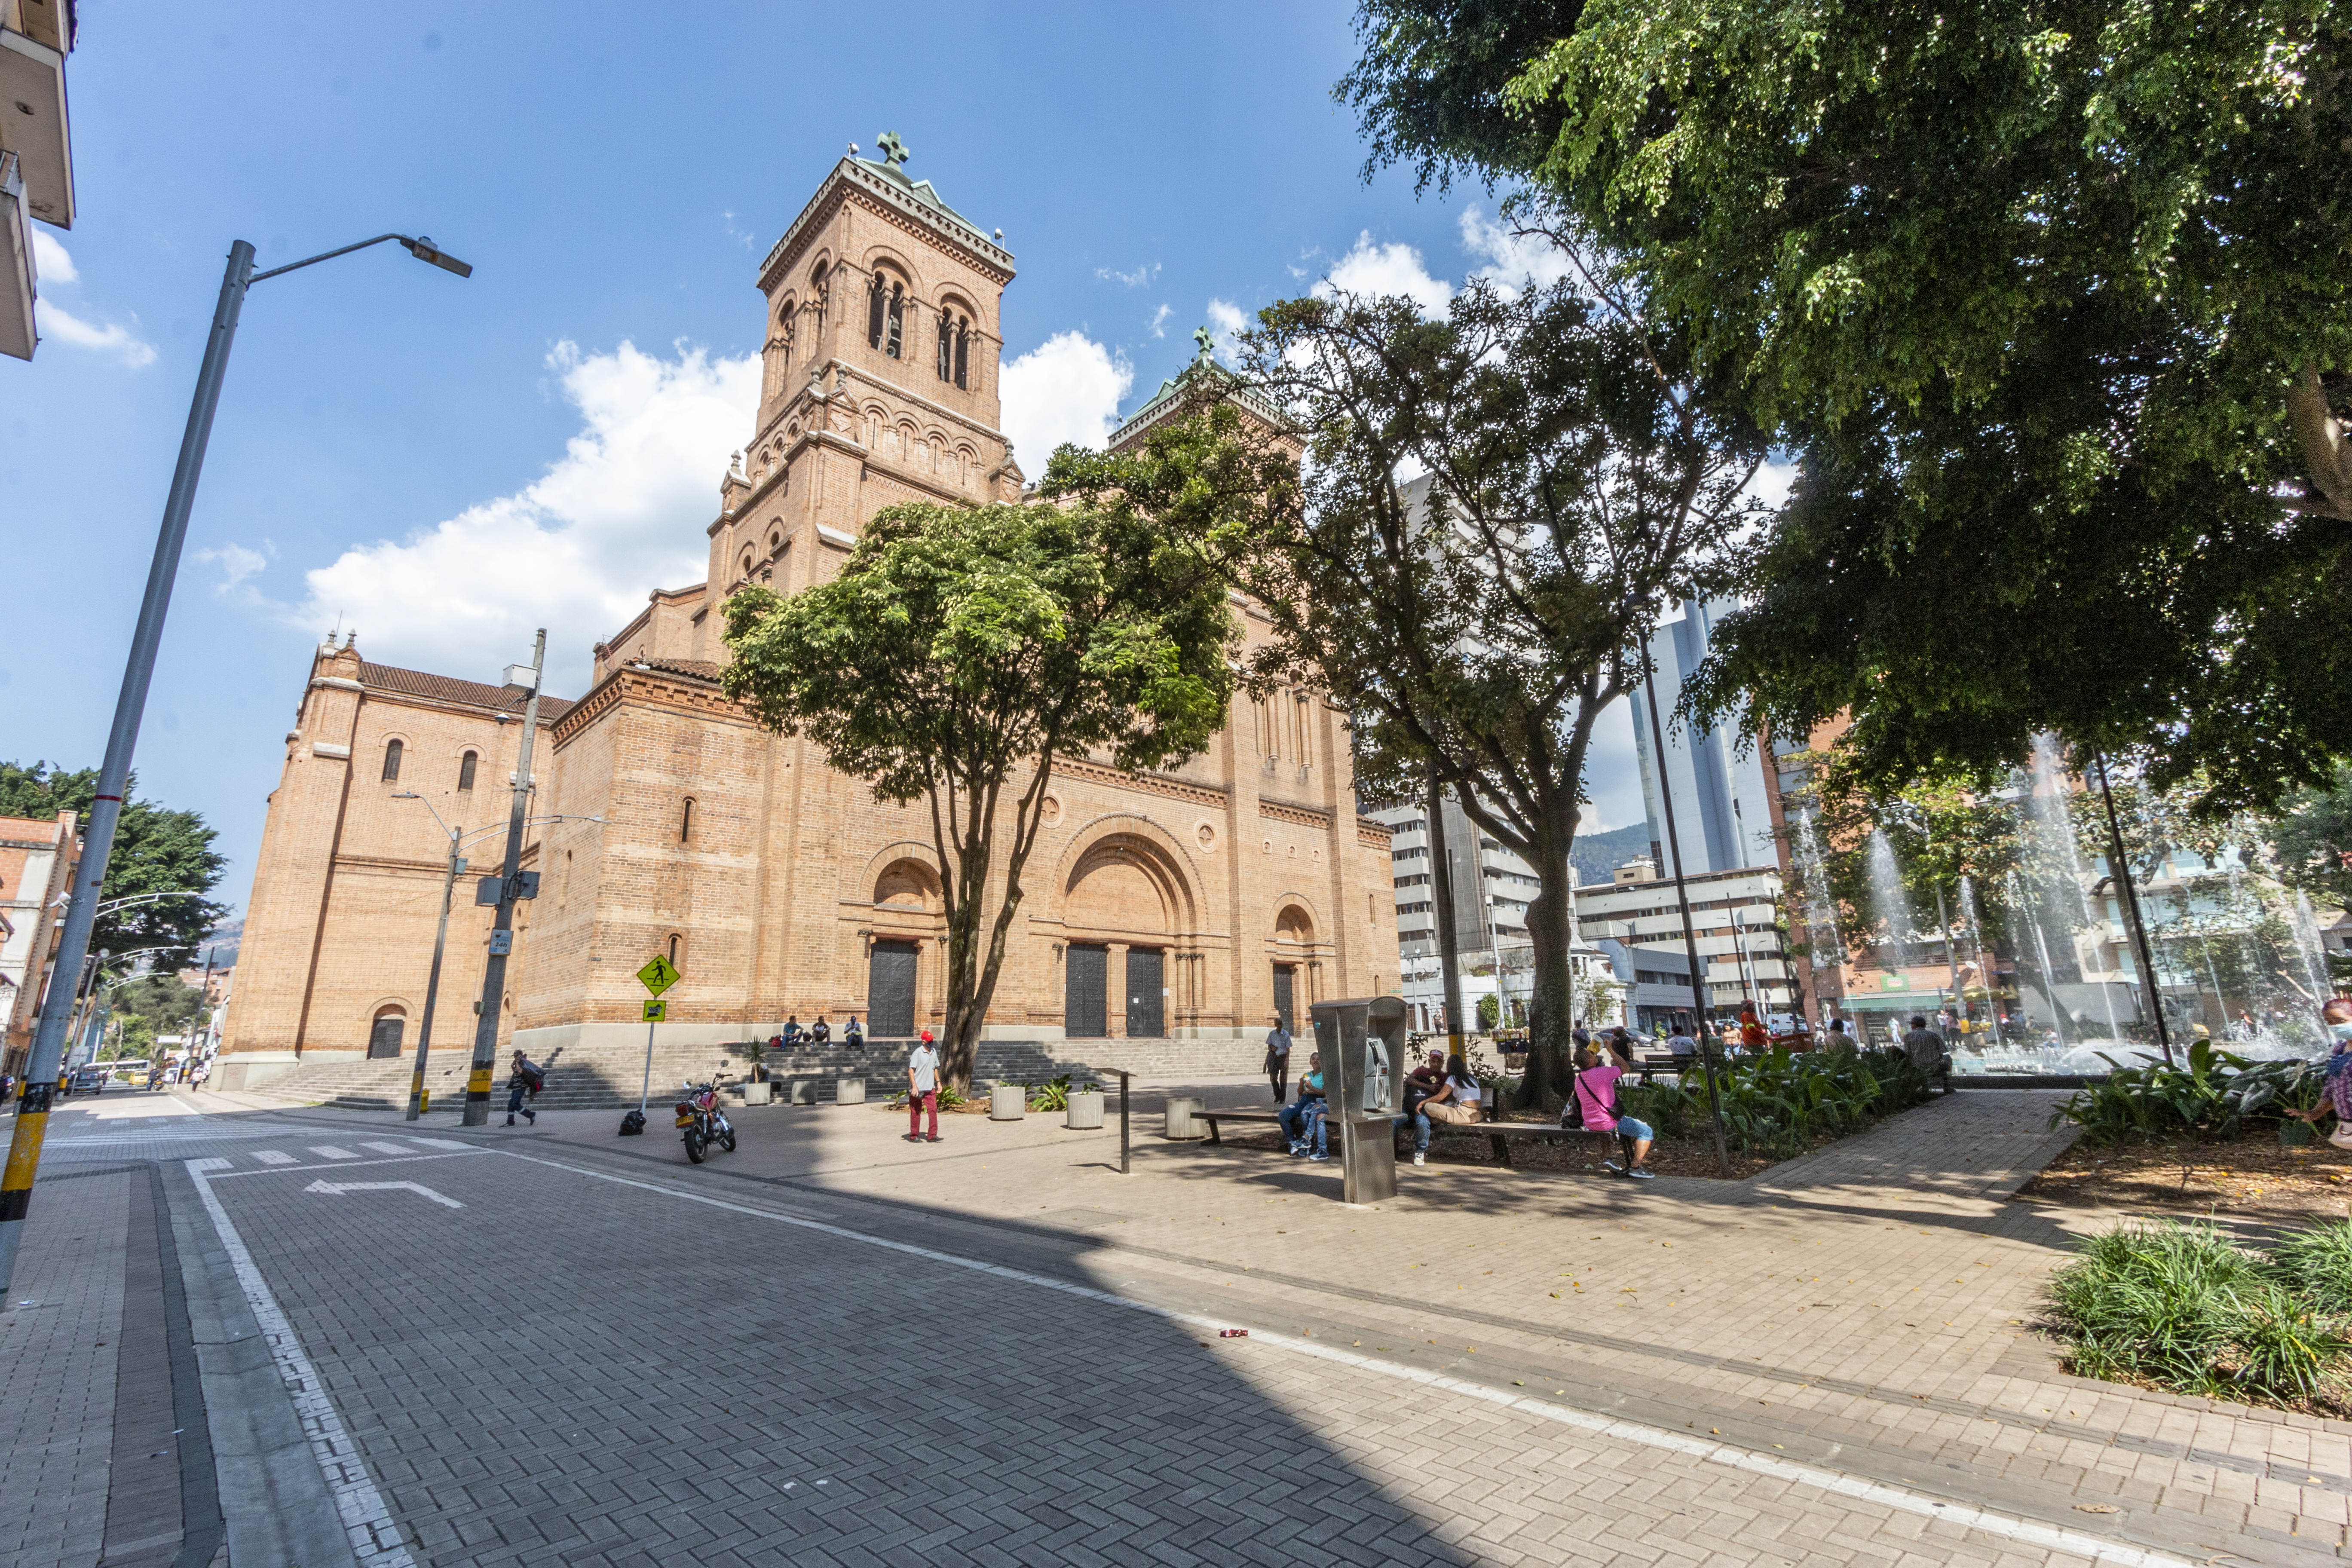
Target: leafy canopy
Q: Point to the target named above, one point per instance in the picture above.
(157, 850)
(2049, 295)
(960, 653)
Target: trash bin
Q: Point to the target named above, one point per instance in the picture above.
(849, 1091)
(1184, 1117)
(1008, 1102)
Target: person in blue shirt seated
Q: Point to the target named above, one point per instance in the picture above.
(1302, 1119)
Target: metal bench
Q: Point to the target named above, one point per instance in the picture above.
(1272, 1119)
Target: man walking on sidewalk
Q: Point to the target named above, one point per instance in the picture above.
(1277, 1059)
(922, 1090)
(523, 1079)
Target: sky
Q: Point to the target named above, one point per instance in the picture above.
(442, 465)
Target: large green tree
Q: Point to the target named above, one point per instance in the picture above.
(1473, 621)
(2312, 841)
(2049, 296)
(157, 850)
(961, 652)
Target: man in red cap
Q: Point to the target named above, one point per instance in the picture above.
(922, 1089)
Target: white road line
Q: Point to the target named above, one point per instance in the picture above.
(329, 1151)
(441, 1143)
(373, 1535)
(273, 1156)
(2048, 1537)
(353, 1163)
(389, 1148)
(420, 1190)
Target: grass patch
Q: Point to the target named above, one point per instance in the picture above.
(2180, 1307)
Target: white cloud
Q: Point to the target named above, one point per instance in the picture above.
(1144, 273)
(1065, 389)
(622, 511)
(1386, 270)
(50, 261)
(1772, 483)
(1511, 260)
(62, 326)
(237, 563)
(1228, 322)
(1160, 322)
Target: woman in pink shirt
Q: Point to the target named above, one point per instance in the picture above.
(1596, 1097)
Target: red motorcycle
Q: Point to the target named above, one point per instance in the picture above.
(702, 1121)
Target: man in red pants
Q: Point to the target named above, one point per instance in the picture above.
(922, 1090)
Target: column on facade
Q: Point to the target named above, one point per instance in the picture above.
(1115, 989)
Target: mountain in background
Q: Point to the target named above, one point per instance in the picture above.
(1596, 856)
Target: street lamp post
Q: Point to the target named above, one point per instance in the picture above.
(122, 738)
(494, 972)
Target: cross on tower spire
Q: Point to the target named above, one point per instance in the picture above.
(1207, 343)
(894, 151)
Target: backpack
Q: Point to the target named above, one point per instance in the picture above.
(634, 1124)
(535, 1079)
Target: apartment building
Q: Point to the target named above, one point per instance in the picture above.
(1735, 915)
(36, 152)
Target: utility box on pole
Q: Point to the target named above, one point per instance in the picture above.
(1362, 1041)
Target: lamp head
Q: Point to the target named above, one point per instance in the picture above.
(423, 249)
(406, 794)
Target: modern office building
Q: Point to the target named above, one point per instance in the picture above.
(1735, 915)
(36, 152)
(1722, 822)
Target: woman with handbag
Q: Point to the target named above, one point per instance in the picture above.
(1596, 1099)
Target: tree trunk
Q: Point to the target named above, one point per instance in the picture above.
(960, 1047)
(1551, 1002)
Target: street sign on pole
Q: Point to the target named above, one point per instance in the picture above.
(657, 1012)
(659, 974)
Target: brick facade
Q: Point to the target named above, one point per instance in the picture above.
(765, 874)
(37, 866)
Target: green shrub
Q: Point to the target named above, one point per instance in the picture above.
(1051, 1096)
(2214, 1092)
(2317, 1264)
(2179, 1306)
(1779, 1103)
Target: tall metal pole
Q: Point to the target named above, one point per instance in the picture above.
(433, 985)
(1449, 944)
(494, 978)
(2131, 908)
(114, 772)
(1690, 937)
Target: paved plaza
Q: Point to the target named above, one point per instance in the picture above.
(252, 1333)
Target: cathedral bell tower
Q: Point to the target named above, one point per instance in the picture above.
(879, 376)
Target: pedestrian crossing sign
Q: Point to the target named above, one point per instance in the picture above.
(657, 1012)
(659, 974)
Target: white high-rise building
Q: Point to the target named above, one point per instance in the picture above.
(1722, 821)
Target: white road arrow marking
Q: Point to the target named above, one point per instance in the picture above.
(419, 1188)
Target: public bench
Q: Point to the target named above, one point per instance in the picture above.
(1499, 1135)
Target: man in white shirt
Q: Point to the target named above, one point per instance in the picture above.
(922, 1090)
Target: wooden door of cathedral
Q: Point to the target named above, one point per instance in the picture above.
(891, 991)
(383, 1040)
(1085, 1014)
(1146, 1018)
(1283, 975)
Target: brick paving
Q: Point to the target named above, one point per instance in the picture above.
(995, 1350)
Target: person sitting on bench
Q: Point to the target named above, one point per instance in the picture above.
(1419, 1085)
(1596, 1099)
(1454, 1101)
(1296, 1117)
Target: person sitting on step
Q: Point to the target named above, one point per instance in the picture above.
(820, 1033)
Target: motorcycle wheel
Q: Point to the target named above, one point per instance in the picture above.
(694, 1145)
(726, 1140)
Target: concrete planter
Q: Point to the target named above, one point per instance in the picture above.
(1182, 1120)
(759, 1093)
(804, 1091)
(849, 1091)
(1085, 1109)
(1008, 1102)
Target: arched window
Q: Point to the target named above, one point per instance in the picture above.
(947, 345)
(673, 950)
(785, 365)
(893, 344)
(686, 821)
(955, 348)
(747, 563)
(391, 761)
(878, 305)
(465, 765)
(963, 354)
(775, 543)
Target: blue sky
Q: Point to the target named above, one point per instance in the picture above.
(445, 465)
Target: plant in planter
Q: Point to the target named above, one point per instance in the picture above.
(1053, 1095)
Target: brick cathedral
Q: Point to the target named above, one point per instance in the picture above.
(1192, 905)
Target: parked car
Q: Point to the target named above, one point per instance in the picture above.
(89, 1079)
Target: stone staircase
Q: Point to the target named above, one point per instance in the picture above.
(597, 1077)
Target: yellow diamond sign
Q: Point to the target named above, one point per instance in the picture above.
(659, 974)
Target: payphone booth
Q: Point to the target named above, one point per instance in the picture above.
(1363, 1042)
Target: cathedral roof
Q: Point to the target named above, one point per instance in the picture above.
(448, 689)
(1172, 391)
(917, 199)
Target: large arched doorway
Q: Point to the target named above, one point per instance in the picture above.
(1124, 904)
(385, 1033)
(908, 906)
(1294, 946)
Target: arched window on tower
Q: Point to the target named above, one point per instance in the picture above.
(465, 765)
(785, 355)
(877, 302)
(964, 353)
(894, 343)
(947, 345)
(391, 761)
